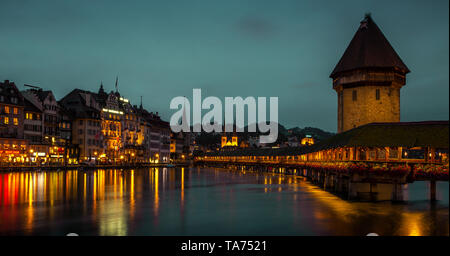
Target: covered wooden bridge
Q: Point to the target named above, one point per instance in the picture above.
(358, 161)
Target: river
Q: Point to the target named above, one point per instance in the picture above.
(203, 201)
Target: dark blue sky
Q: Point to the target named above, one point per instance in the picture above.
(163, 49)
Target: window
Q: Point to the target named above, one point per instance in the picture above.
(16, 121)
(16, 111)
(6, 121)
(80, 131)
(354, 95)
(377, 94)
(393, 153)
(6, 109)
(81, 122)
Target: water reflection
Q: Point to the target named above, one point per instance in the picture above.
(194, 201)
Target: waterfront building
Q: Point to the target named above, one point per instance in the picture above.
(46, 102)
(177, 146)
(82, 127)
(33, 133)
(133, 132)
(368, 79)
(111, 123)
(32, 123)
(71, 151)
(86, 123)
(13, 148)
(11, 111)
(164, 131)
(109, 129)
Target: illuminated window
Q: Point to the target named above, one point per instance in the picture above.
(6, 109)
(6, 121)
(16, 111)
(16, 121)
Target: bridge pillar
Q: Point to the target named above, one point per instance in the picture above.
(332, 182)
(432, 190)
(397, 193)
(336, 184)
(366, 191)
(324, 181)
(327, 180)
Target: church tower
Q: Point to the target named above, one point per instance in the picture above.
(368, 78)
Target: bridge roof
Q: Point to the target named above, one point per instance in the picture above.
(402, 134)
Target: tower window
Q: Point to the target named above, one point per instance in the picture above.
(354, 95)
(377, 94)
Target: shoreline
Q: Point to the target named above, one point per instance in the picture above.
(85, 168)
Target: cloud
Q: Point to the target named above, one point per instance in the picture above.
(255, 27)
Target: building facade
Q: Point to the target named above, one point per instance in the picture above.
(13, 148)
(11, 111)
(86, 124)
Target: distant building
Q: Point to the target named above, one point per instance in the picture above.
(308, 140)
(368, 79)
(292, 141)
(229, 141)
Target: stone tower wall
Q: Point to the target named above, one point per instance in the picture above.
(366, 108)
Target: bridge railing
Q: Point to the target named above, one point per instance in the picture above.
(419, 170)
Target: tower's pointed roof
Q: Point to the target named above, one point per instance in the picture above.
(369, 48)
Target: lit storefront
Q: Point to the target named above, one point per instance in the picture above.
(13, 151)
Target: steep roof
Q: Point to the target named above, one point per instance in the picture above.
(402, 134)
(369, 48)
(43, 94)
(9, 91)
(29, 106)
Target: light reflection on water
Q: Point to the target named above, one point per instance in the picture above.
(194, 201)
